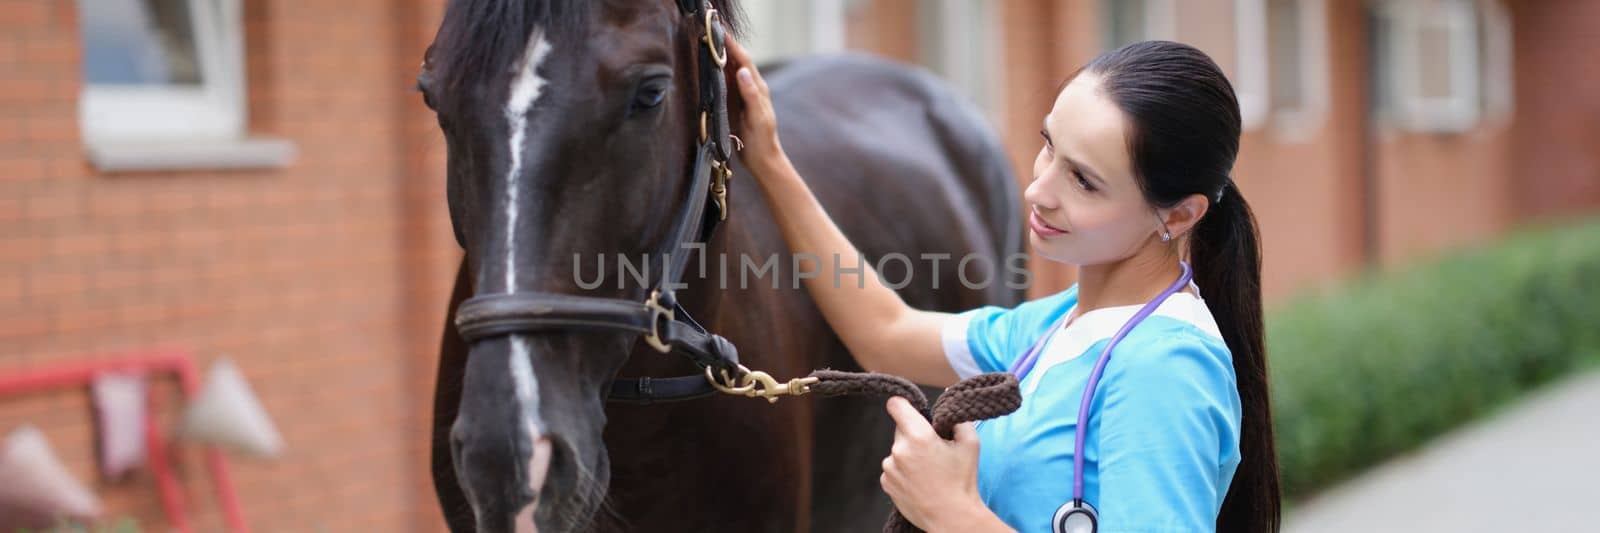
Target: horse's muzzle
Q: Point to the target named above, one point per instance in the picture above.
(538, 468)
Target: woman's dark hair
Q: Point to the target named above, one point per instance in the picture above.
(1183, 135)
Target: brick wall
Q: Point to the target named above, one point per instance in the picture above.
(1558, 131)
(324, 280)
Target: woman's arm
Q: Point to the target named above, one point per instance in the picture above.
(880, 329)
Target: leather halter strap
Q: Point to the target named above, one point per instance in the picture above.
(667, 327)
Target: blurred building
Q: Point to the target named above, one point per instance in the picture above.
(233, 177)
(255, 178)
(1376, 130)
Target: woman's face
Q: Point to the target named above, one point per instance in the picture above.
(1086, 207)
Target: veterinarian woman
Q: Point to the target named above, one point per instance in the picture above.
(1132, 185)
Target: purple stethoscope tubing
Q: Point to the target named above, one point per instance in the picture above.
(1025, 365)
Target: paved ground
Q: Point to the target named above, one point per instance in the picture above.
(1533, 467)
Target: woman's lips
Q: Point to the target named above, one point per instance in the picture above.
(1042, 228)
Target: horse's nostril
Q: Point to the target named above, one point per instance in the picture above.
(539, 466)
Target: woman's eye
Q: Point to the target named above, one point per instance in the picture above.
(650, 96)
(1082, 181)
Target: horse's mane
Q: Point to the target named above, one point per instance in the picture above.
(480, 38)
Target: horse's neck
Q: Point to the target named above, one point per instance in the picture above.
(700, 293)
(716, 300)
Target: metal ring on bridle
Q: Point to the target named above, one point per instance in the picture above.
(658, 312)
(704, 134)
(720, 57)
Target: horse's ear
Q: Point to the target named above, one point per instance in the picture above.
(733, 17)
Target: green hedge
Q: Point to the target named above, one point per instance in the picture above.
(1380, 364)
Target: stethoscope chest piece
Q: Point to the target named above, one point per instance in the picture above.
(1076, 516)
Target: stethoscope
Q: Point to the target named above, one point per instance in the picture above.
(1077, 516)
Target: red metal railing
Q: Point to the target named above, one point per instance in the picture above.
(152, 363)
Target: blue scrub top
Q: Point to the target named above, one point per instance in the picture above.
(1163, 432)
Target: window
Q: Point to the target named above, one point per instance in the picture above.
(785, 28)
(957, 39)
(1252, 69)
(1443, 65)
(1283, 64)
(164, 87)
(960, 42)
(1131, 21)
(1496, 48)
(161, 69)
(1286, 52)
(1232, 32)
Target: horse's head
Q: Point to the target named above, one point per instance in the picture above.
(572, 127)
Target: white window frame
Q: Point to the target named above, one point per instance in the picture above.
(1160, 21)
(1499, 79)
(1253, 80)
(1255, 71)
(824, 23)
(1462, 109)
(215, 110)
(828, 25)
(961, 41)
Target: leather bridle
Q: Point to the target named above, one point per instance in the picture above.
(663, 322)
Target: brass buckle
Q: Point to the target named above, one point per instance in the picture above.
(705, 133)
(721, 172)
(757, 384)
(720, 57)
(658, 312)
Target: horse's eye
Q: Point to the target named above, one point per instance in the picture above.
(651, 94)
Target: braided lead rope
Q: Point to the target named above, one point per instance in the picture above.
(979, 397)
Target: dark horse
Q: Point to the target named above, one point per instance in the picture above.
(572, 129)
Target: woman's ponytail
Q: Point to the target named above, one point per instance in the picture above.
(1227, 266)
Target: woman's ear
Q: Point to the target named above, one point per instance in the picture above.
(1181, 218)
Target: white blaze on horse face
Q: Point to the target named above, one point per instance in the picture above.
(526, 387)
(525, 89)
(523, 382)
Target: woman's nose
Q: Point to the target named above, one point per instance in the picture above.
(1039, 197)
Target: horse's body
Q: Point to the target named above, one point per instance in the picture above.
(903, 166)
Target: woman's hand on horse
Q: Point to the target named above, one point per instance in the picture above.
(934, 482)
(759, 127)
